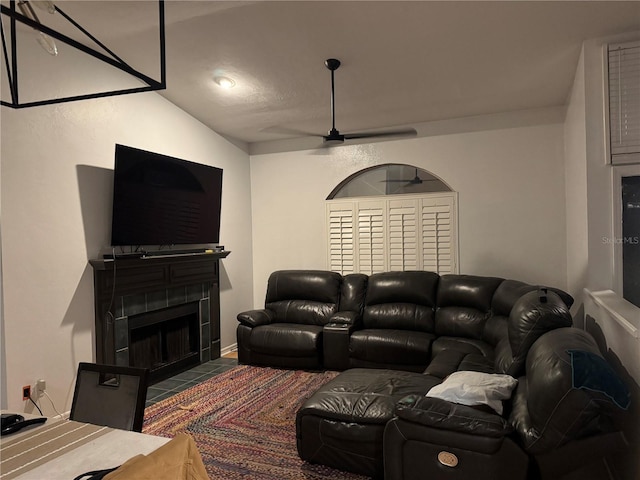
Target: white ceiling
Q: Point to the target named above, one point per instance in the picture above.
(403, 63)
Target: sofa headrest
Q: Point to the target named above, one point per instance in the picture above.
(507, 294)
(314, 285)
(354, 290)
(303, 296)
(467, 291)
(534, 314)
(417, 287)
(565, 394)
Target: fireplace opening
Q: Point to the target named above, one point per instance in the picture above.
(165, 341)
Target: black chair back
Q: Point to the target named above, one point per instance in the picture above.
(110, 395)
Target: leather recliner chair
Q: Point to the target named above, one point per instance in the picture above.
(288, 331)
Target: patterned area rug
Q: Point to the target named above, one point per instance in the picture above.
(243, 422)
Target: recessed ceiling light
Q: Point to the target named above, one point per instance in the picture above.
(224, 82)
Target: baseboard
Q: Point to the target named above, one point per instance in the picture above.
(229, 349)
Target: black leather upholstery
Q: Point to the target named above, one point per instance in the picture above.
(342, 424)
(288, 331)
(558, 427)
(533, 314)
(410, 330)
(399, 320)
(548, 411)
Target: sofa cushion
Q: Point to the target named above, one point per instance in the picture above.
(461, 344)
(467, 291)
(405, 316)
(495, 329)
(460, 322)
(401, 347)
(476, 363)
(449, 361)
(303, 296)
(302, 311)
(365, 396)
(464, 303)
(417, 287)
(401, 300)
(287, 339)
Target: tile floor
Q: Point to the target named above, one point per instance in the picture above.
(187, 379)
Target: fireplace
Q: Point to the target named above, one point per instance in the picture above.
(160, 313)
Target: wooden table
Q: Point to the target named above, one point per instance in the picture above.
(62, 450)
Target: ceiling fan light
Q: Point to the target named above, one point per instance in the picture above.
(45, 5)
(224, 82)
(45, 41)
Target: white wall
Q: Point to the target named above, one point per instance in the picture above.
(599, 200)
(575, 157)
(511, 200)
(56, 178)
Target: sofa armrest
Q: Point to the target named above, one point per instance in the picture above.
(255, 318)
(347, 319)
(444, 415)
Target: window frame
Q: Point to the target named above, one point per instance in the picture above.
(618, 172)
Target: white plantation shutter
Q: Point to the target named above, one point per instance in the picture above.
(403, 235)
(340, 218)
(624, 102)
(370, 237)
(396, 232)
(439, 235)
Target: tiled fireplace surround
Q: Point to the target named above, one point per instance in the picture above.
(131, 310)
(134, 296)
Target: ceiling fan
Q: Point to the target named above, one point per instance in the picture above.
(334, 137)
(411, 181)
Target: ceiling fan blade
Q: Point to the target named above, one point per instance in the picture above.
(407, 132)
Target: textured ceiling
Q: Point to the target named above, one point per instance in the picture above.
(402, 62)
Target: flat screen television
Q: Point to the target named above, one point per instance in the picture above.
(162, 200)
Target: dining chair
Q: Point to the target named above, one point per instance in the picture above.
(110, 395)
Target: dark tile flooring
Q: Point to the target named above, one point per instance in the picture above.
(187, 379)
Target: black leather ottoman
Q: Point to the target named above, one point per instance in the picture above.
(342, 424)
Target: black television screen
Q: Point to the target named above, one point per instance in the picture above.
(162, 200)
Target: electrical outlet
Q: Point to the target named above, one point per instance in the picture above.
(40, 387)
(26, 392)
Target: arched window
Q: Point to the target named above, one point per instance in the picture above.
(389, 179)
(392, 217)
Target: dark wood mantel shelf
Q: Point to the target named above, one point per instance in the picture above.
(140, 274)
(125, 287)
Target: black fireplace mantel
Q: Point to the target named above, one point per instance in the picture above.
(125, 287)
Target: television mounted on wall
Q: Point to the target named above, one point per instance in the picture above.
(162, 200)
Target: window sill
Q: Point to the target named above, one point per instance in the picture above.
(624, 312)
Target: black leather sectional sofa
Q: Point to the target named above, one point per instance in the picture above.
(399, 334)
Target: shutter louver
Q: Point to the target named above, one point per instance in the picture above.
(624, 102)
(341, 244)
(371, 251)
(438, 247)
(403, 235)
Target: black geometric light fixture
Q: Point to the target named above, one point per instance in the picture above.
(20, 18)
